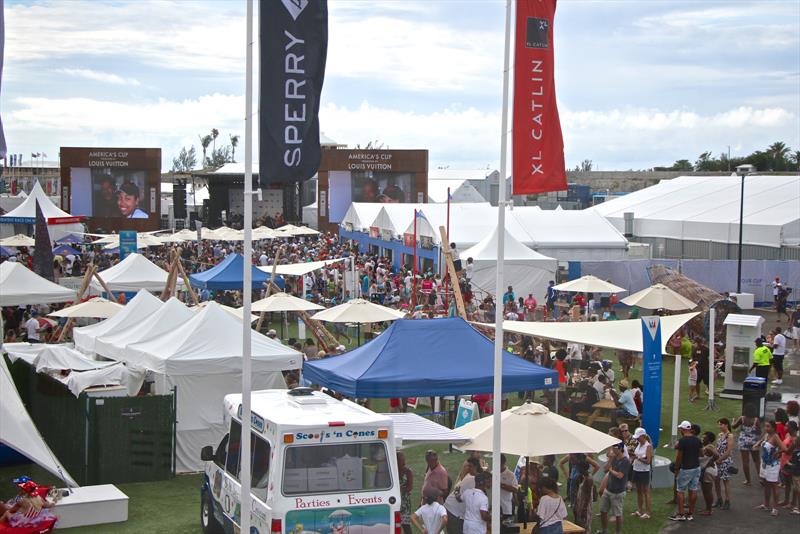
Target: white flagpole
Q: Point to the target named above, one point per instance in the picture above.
(497, 401)
(247, 289)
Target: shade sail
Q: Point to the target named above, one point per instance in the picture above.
(358, 311)
(657, 297)
(533, 430)
(20, 285)
(425, 357)
(97, 307)
(228, 275)
(139, 308)
(18, 431)
(133, 273)
(210, 343)
(589, 284)
(281, 302)
(299, 269)
(623, 335)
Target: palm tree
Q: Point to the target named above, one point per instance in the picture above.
(778, 151)
(205, 140)
(234, 144)
(214, 134)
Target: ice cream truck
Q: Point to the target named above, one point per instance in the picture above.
(318, 466)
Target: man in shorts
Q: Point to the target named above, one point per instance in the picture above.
(687, 462)
(794, 322)
(612, 501)
(778, 354)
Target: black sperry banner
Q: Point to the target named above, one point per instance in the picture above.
(294, 45)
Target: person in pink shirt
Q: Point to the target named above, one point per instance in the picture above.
(435, 476)
(530, 308)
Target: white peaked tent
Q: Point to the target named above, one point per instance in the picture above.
(140, 307)
(133, 273)
(170, 316)
(202, 360)
(524, 269)
(20, 285)
(18, 431)
(49, 210)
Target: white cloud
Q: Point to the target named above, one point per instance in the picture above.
(98, 76)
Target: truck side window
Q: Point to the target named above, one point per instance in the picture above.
(222, 450)
(260, 465)
(234, 449)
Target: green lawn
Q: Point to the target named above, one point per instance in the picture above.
(173, 506)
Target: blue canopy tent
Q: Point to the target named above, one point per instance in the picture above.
(65, 250)
(8, 252)
(426, 357)
(228, 275)
(71, 239)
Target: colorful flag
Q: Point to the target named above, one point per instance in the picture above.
(294, 48)
(538, 147)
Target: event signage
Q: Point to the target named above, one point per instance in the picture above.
(65, 220)
(651, 374)
(294, 47)
(17, 220)
(127, 243)
(538, 147)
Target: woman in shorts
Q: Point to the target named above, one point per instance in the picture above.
(771, 448)
(642, 462)
(748, 437)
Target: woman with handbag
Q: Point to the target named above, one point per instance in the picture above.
(551, 510)
(724, 464)
(708, 471)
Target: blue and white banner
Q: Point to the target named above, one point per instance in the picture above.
(651, 376)
(127, 243)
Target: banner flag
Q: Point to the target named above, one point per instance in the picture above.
(43, 257)
(294, 45)
(651, 376)
(538, 147)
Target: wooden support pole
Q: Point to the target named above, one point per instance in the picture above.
(87, 278)
(189, 287)
(270, 285)
(451, 268)
(108, 291)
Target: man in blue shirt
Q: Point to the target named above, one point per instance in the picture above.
(624, 401)
(550, 300)
(508, 296)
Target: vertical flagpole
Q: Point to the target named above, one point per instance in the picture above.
(446, 270)
(247, 288)
(497, 401)
(414, 269)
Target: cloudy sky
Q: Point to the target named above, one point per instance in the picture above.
(640, 83)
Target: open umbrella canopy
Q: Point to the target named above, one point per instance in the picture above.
(236, 312)
(7, 252)
(533, 430)
(71, 239)
(589, 284)
(65, 250)
(94, 307)
(659, 296)
(358, 311)
(284, 302)
(19, 240)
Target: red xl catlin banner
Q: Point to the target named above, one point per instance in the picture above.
(538, 148)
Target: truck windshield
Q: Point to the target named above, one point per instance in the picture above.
(335, 468)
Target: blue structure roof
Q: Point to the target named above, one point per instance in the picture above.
(229, 275)
(65, 249)
(426, 357)
(71, 239)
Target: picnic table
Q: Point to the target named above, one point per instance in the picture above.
(599, 408)
(568, 526)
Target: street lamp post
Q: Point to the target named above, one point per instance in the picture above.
(741, 170)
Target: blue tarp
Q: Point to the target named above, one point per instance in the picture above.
(65, 250)
(425, 357)
(229, 275)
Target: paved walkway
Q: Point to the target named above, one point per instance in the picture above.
(742, 517)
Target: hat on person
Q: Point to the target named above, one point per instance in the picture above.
(34, 313)
(129, 188)
(759, 341)
(639, 432)
(340, 348)
(623, 384)
(272, 333)
(685, 425)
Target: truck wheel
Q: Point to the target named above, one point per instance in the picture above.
(207, 520)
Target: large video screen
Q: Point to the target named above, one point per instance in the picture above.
(346, 187)
(109, 192)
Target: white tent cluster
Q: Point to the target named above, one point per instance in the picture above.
(49, 210)
(197, 354)
(20, 285)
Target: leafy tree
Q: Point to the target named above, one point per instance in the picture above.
(205, 140)
(234, 144)
(214, 135)
(220, 156)
(185, 161)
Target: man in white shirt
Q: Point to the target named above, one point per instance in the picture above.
(778, 354)
(508, 486)
(431, 517)
(262, 260)
(476, 515)
(33, 328)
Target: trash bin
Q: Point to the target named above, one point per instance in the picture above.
(754, 389)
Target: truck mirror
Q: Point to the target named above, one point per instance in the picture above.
(207, 453)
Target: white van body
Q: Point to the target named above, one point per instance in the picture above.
(319, 466)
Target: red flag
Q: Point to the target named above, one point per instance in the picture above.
(538, 148)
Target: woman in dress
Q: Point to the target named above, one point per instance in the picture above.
(406, 485)
(586, 495)
(748, 437)
(771, 448)
(724, 462)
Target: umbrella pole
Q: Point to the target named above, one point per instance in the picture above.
(358, 338)
(525, 495)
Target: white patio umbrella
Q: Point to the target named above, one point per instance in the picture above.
(589, 284)
(236, 312)
(659, 296)
(97, 307)
(284, 302)
(19, 240)
(359, 311)
(533, 430)
(303, 230)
